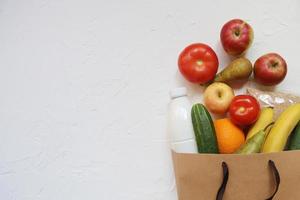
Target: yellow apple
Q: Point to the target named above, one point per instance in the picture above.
(217, 97)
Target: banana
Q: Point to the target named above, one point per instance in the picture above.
(265, 118)
(282, 128)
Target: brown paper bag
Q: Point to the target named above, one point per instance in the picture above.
(199, 176)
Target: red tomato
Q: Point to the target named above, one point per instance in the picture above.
(244, 110)
(198, 63)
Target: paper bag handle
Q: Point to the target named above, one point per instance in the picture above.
(224, 182)
(277, 177)
(226, 176)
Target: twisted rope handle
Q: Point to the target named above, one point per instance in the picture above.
(224, 182)
(277, 178)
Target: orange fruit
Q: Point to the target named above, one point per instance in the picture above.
(229, 136)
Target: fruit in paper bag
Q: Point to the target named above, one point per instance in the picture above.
(244, 110)
(229, 136)
(282, 128)
(264, 119)
(253, 145)
(217, 97)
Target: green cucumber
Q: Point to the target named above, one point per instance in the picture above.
(204, 130)
(294, 141)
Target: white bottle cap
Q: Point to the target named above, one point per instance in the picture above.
(178, 92)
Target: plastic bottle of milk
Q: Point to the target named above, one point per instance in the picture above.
(180, 125)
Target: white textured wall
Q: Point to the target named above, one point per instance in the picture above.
(84, 87)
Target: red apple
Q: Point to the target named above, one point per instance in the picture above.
(236, 37)
(270, 69)
(217, 97)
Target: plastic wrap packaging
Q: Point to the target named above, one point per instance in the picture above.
(278, 100)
